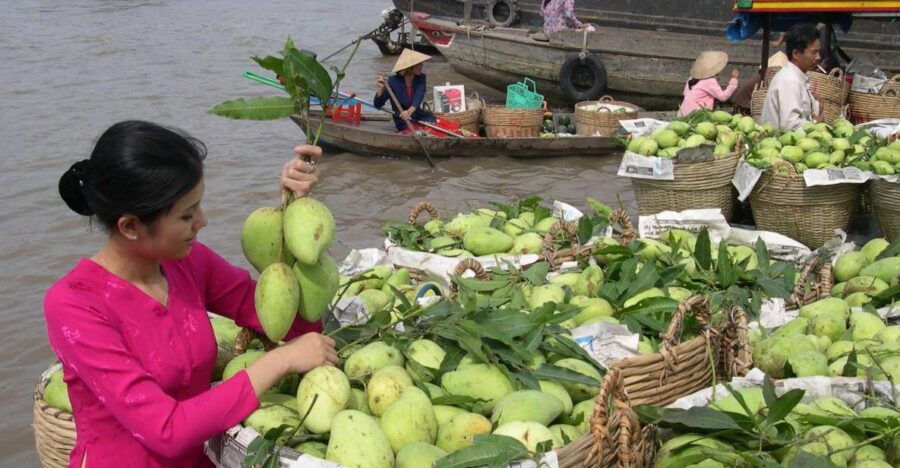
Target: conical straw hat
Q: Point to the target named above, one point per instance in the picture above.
(409, 58)
(778, 59)
(709, 64)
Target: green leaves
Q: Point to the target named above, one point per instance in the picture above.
(699, 417)
(486, 450)
(560, 374)
(261, 108)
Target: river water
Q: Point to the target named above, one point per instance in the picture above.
(71, 69)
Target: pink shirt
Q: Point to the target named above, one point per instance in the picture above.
(704, 94)
(139, 372)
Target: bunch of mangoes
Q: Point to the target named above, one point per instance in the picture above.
(720, 130)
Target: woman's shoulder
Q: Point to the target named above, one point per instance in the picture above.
(82, 285)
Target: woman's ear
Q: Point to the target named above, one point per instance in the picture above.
(128, 226)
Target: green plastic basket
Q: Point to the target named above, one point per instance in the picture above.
(521, 96)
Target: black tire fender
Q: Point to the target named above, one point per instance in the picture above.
(495, 6)
(590, 65)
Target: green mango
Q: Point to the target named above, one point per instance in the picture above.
(410, 419)
(652, 249)
(833, 406)
(289, 401)
(460, 225)
(874, 247)
(838, 289)
(370, 359)
(870, 285)
(419, 455)
(375, 300)
(272, 416)
(566, 433)
(829, 304)
(425, 353)
(433, 226)
(330, 389)
(771, 355)
(857, 299)
(318, 285)
(581, 413)
(887, 270)
(312, 448)
(543, 226)
(592, 308)
(543, 294)
(486, 241)
(753, 397)
(527, 243)
(516, 227)
(56, 394)
(530, 434)
(277, 298)
(838, 349)
(634, 300)
(808, 364)
(798, 326)
(358, 401)
(239, 362)
(445, 413)
(459, 432)
(434, 392)
(579, 392)
(481, 381)
(308, 229)
(864, 325)
(385, 387)
(889, 335)
(566, 279)
(262, 239)
(831, 325)
(835, 439)
(559, 392)
(442, 243)
(589, 281)
(815, 448)
(527, 405)
(357, 441)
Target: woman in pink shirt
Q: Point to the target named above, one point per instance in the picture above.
(703, 90)
(130, 323)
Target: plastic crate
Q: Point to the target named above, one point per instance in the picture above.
(521, 96)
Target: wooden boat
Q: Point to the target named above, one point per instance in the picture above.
(645, 52)
(375, 136)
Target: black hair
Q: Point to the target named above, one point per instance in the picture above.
(138, 168)
(692, 82)
(799, 37)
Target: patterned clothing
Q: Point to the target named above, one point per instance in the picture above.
(559, 15)
(138, 371)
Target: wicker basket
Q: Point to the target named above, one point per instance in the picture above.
(886, 204)
(784, 204)
(681, 368)
(696, 185)
(500, 122)
(602, 122)
(469, 119)
(813, 283)
(757, 101)
(616, 438)
(770, 73)
(885, 105)
(556, 256)
(467, 264)
(830, 90)
(54, 429)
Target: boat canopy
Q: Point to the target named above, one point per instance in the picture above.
(745, 25)
(752, 15)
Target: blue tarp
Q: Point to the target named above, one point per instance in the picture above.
(745, 25)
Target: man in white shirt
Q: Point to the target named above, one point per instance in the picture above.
(789, 102)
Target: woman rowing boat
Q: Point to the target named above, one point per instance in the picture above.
(408, 85)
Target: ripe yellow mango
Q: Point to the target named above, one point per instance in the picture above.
(277, 298)
(459, 432)
(385, 387)
(357, 441)
(410, 419)
(331, 391)
(308, 229)
(318, 285)
(371, 358)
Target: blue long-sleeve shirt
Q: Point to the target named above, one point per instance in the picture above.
(407, 99)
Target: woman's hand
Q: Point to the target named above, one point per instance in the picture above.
(735, 74)
(307, 352)
(407, 114)
(379, 85)
(300, 176)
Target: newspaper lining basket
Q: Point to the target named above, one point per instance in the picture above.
(886, 204)
(469, 119)
(54, 429)
(697, 185)
(784, 204)
(866, 107)
(602, 122)
(500, 122)
(681, 368)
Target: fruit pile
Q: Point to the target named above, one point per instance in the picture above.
(563, 125)
(842, 335)
(720, 130)
(755, 427)
(515, 229)
(824, 146)
(56, 392)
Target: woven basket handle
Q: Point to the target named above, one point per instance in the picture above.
(627, 233)
(245, 336)
(604, 425)
(468, 264)
(419, 208)
(697, 304)
(606, 98)
(567, 228)
(735, 344)
(821, 286)
(836, 72)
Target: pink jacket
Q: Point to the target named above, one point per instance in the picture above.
(704, 94)
(139, 372)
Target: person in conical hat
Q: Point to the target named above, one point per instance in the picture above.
(408, 84)
(702, 90)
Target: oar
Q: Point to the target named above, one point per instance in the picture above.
(409, 123)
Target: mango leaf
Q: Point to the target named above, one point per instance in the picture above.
(270, 63)
(725, 268)
(784, 405)
(645, 279)
(702, 251)
(892, 250)
(486, 450)
(699, 417)
(571, 349)
(561, 374)
(600, 207)
(307, 68)
(585, 230)
(762, 256)
(505, 324)
(259, 108)
(257, 452)
(809, 460)
(851, 365)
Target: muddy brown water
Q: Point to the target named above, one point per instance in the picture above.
(71, 69)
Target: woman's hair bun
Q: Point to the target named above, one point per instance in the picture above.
(72, 186)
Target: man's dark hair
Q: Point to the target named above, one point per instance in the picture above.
(799, 37)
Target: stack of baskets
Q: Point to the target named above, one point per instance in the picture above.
(602, 121)
(758, 98)
(469, 119)
(54, 429)
(500, 122)
(885, 198)
(697, 185)
(781, 202)
(831, 92)
(884, 105)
